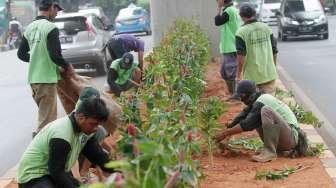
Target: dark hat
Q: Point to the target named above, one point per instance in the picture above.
(247, 10)
(245, 87)
(45, 4)
(127, 60)
(88, 92)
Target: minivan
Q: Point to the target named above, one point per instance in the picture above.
(302, 18)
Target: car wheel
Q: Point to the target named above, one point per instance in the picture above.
(326, 36)
(282, 36)
(101, 68)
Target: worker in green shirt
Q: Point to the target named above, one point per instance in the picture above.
(256, 49)
(48, 160)
(228, 20)
(123, 74)
(41, 47)
(274, 121)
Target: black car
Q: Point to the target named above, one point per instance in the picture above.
(300, 18)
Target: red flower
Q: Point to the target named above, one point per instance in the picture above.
(131, 129)
(190, 136)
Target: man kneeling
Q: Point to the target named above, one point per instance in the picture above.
(48, 160)
(123, 74)
(275, 123)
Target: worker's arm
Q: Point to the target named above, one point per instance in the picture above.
(112, 76)
(54, 49)
(242, 115)
(241, 53)
(274, 48)
(59, 150)
(221, 19)
(228, 132)
(23, 51)
(96, 155)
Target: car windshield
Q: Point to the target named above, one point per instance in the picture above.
(302, 6)
(72, 25)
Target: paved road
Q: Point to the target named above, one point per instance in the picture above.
(311, 64)
(18, 111)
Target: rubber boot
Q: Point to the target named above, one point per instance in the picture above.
(271, 138)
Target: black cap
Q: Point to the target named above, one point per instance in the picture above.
(247, 10)
(88, 92)
(127, 60)
(45, 4)
(245, 87)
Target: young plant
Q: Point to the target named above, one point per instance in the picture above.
(315, 150)
(210, 112)
(279, 174)
(303, 116)
(253, 144)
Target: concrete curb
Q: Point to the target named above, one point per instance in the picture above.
(328, 158)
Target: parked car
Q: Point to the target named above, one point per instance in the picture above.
(268, 11)
(83, 40)
(302, 17)
(133, 19)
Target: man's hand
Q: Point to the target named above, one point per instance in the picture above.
(221, 136)
(220, 4)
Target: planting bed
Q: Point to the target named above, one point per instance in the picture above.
(239, 171)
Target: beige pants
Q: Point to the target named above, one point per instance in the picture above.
(268, 87)
(45, 96)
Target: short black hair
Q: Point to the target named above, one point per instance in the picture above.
(93, 108)
(247, 10)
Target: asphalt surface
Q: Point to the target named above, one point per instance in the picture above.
(311, 65)
(18, 111)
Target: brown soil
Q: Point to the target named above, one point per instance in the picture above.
(236, 170)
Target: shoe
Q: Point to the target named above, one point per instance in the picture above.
(265, 156)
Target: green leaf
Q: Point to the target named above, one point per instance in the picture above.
(118, 164)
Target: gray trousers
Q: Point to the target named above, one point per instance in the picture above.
(45, 96)
(271, 118)
(228, 70)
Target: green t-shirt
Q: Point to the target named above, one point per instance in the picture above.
(123, 74)
(259, 64)
(283, 110)
(34, 162)
(41, 68)
(228, 31)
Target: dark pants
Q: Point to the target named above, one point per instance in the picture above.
(43, 182)
(271, 118)
(228, 70)
(116, 49)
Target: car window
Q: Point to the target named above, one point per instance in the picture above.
(137, 12)
(98, 23)
(302, 6)
(71, 25)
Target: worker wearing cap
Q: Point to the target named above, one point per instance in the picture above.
(41, 47)
(227, 19)
(275, 123)
(123, 74)
(256, 49)
(120, 44)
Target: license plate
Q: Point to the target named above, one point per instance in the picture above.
(64, 40)
(129, 22)
(305, 29)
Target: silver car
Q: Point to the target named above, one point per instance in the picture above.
(83, 40)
